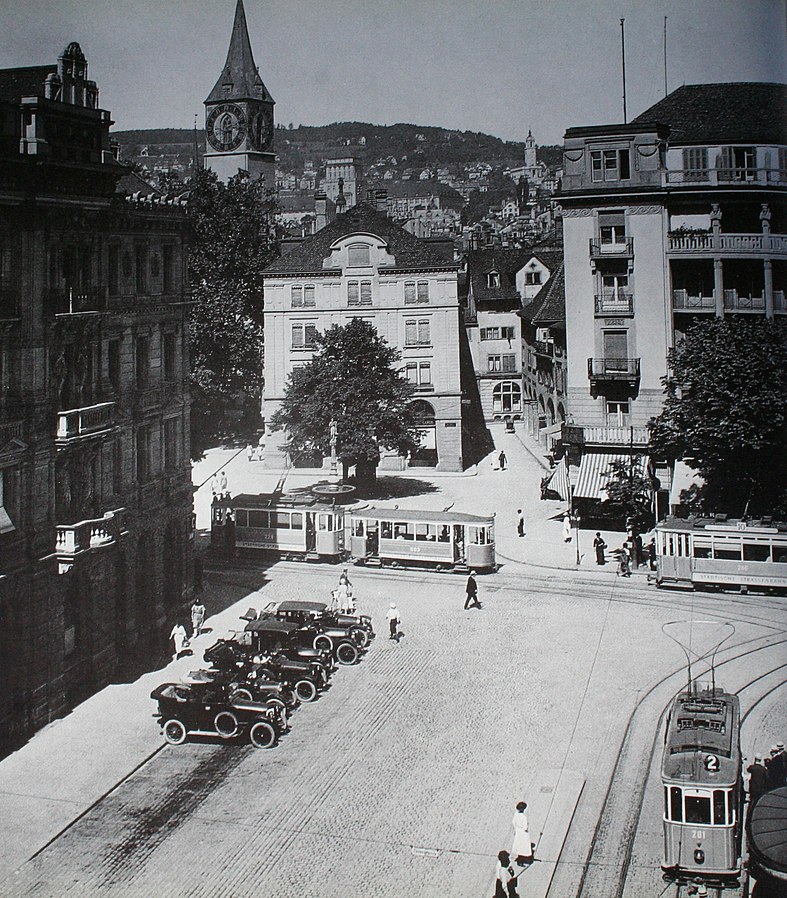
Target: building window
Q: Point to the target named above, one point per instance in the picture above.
(169, 351)
(493, 279)
(416, 292)
(610, 165)
(782, 164)
(497, 333)
(532, 277)
(409, 292)
(423, 291)
(171, 444)
(419, 373)
(301, 296)
(614, 286)
(507, 397)
(113, 364)
(738, 164)
(358, 255)
(417, 332)
(617, 413)
(141, 268)
(695, 163)
(615, 350)
(359, 293)
(612, 228)
(145, 453)
(498, 363)
(304, 335)
(114, 270)
(142, 362)
(169, 267)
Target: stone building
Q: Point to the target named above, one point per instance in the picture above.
(95, 489)
(363, 265)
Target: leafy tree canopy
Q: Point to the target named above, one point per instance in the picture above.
(629, 492)
(352, 380)
(232, 242)
(726, 408)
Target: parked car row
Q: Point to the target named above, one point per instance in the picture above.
(285, 655)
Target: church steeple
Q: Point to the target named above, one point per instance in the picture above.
(240, 78)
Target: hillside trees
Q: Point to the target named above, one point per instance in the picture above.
(726, 409)
(353, 381)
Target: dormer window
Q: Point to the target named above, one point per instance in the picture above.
(610, 165)
(358, 255)
(493, 279)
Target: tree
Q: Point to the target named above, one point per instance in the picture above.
(629, 492)
(232, 242)
(726, 409)
(353, 381)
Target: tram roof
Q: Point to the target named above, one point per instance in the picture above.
(723, 524)
(430, 517)
(278, 500)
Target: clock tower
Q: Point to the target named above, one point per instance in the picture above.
(239, 114)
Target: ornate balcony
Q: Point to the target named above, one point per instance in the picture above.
(73, 301)
(613, 370)
(734, 302)
(617, 303)
(742, 176)
(683, 301)
(545, 347)
(73, 540)
(77, 423)
(622, 249)
(704, 243)
(604, 435)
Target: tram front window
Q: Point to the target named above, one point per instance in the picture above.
(697, 809)
(676, 805)
(719, 809)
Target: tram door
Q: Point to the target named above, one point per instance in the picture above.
(372, 538)
(311, 535)
(675, 555)
(459, 542)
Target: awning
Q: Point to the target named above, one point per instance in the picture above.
(595, 471)
(683, 478)
(559, 480)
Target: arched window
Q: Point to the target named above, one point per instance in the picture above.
(507, 397)
(358, 255)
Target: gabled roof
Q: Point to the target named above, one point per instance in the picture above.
(507, 262)
(744, 112)
(409, 251)
(240, 79)
(548, 306)
(24, 82)
(131, 182)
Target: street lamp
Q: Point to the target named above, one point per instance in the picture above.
(576, 519)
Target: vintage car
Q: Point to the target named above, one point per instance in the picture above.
(305, 678)
(331, 629)
(188, 709)
(271, 635)
(248, 686)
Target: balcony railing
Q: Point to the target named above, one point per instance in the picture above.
(73, 539)
(779, 302)
(604, 435)
(618, 302)
(726, 176)
(10, 430)
(80, 422)
(545, 347)
(622, 249)
(683, 301)
(734, 302)
(613, 369)
(72, 301)
(728, 244)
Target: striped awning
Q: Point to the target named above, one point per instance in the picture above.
(595, 471)
(559, 480)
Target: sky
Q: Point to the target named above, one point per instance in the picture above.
(497, 66)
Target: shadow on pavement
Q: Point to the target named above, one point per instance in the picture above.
(395, 488)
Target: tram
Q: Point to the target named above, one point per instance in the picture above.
(442, 539)
(706, 552)
(291, 525)
(701, 775)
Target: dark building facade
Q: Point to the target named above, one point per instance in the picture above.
(95, 489)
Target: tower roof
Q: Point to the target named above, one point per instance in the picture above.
(239, 78)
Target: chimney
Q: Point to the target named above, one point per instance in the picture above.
(381, 201)
(320, 211)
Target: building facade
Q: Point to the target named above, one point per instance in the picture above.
(95, 488)
(343, 178)
(363, 265)
(676, 216)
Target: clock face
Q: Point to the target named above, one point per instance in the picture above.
(261, 132)
(226, 127)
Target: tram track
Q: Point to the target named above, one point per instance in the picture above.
(605, 879)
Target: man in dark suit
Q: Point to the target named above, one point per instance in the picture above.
(471, 600)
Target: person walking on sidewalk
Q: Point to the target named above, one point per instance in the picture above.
(624, 568)
(214, 486)
(249, 452)
(566, 528)
(393, 621)
(178, 637)
(522, 849)
(599, 545)
(520, 524)
(502, 460)
(471, 592)
(224, 486)
(197, 618)
(505, 881)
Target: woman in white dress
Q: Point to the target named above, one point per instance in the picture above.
(523, 847)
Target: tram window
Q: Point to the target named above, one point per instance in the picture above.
(478, 536)
(697, 809)
(676, 804)
(444, 535)
(280, 520)
(719, 811)
(780, 553)
(402, 531)
(386, 530)
(424, 532)
(357, 528)
(702, 550)
(258, 519)
(727, 552)
(242, 517)
(297, 520)
(756, 552)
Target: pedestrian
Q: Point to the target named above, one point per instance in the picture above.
(333, 605)
(502, 460)
(523, 847)
(197, 618)
(638, 550)
(505, 881)
(214, 486)
(623, 563)
(178, 636)
(250, 452)
(774, 768)
(471, 592)
(393, 621)
(223, 485)
(758, 781)
(342, 596)
(566, 528)
(520, 524)
(344, 578)
(652, 553)
(599, 545)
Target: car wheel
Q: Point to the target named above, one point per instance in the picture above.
(323, 642)
(306, 690)
(175, 732)
(347, 653)
(226, 724)
(359, 636)
(276, 703)
(262, 734)
(241, 694)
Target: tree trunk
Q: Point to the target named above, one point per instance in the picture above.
(366, 473)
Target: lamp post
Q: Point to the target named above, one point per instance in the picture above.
(576, 534)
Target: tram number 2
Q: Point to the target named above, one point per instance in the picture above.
(698, 834)
(711, 763)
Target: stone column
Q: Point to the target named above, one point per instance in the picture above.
(768, 278)
(718, 287)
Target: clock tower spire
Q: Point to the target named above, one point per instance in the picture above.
(239, 114)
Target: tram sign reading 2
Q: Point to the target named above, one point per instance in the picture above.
(711, 763)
